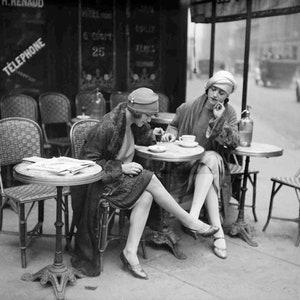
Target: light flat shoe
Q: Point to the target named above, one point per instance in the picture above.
(220, 252)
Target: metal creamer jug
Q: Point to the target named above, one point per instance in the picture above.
(245, 127)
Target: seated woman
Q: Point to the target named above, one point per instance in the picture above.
(111, 144)
(214, 123)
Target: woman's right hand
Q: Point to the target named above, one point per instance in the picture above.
(132, 168)
(168, 137)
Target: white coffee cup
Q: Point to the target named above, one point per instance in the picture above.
(187, 139)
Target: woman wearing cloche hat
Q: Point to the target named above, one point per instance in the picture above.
(214, 123)
(111, 144)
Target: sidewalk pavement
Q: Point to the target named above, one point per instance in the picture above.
(269, 271)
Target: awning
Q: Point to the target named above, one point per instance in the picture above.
(233, 10)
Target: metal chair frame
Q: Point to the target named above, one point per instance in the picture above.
(105, 213)
(278, 183)
(55, 108)
(21, 137)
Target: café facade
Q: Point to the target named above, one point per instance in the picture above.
(68, 46)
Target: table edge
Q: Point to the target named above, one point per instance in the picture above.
(73, 181)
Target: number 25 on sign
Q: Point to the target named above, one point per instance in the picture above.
(98, 51)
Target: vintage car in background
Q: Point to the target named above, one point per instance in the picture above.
(278, 72)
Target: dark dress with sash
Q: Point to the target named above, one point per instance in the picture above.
(102, 145)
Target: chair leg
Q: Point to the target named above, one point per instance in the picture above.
(71, 232)
(121, 222)
(273, 193)
(254, 196)
(67, 231)
(103, 231)
(63, 151)
(40, 216)
(3, 202)
(22, 234)
(236, 181)
(298, 238)
(143, 245)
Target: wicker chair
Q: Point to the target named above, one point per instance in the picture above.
(21, 138)
(78, 134)
(55, 109)
(85, 99)
(164, 102)
(117, 97)
(107, 214)
(278, 183)
(19, 105)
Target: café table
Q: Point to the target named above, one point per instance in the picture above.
(80, 117)
(240, 228)
(58, 274)
(174, 153)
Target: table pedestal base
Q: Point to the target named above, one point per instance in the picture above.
(58, 276)
(242, 229)
(161, 232)
(169, 238)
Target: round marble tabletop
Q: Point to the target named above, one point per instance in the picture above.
(173, 152)
(87, 175)
(258, 150)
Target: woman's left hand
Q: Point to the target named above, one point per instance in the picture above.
(219, 109)
(132, 168)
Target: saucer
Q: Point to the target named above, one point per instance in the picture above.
(83, 117)
(157, 148)
(188, 145)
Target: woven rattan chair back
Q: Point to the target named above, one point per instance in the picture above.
(85, 99)
(19, 105)
(55, 108)
(78, 134)
(20, 138)
(164, 102)
(117, 97)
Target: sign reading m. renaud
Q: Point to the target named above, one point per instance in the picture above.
(23, 3)
(22, 57)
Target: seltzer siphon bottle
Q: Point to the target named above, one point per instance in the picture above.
(245, 127)
(97, 106)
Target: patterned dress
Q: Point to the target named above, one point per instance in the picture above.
(214, 135)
